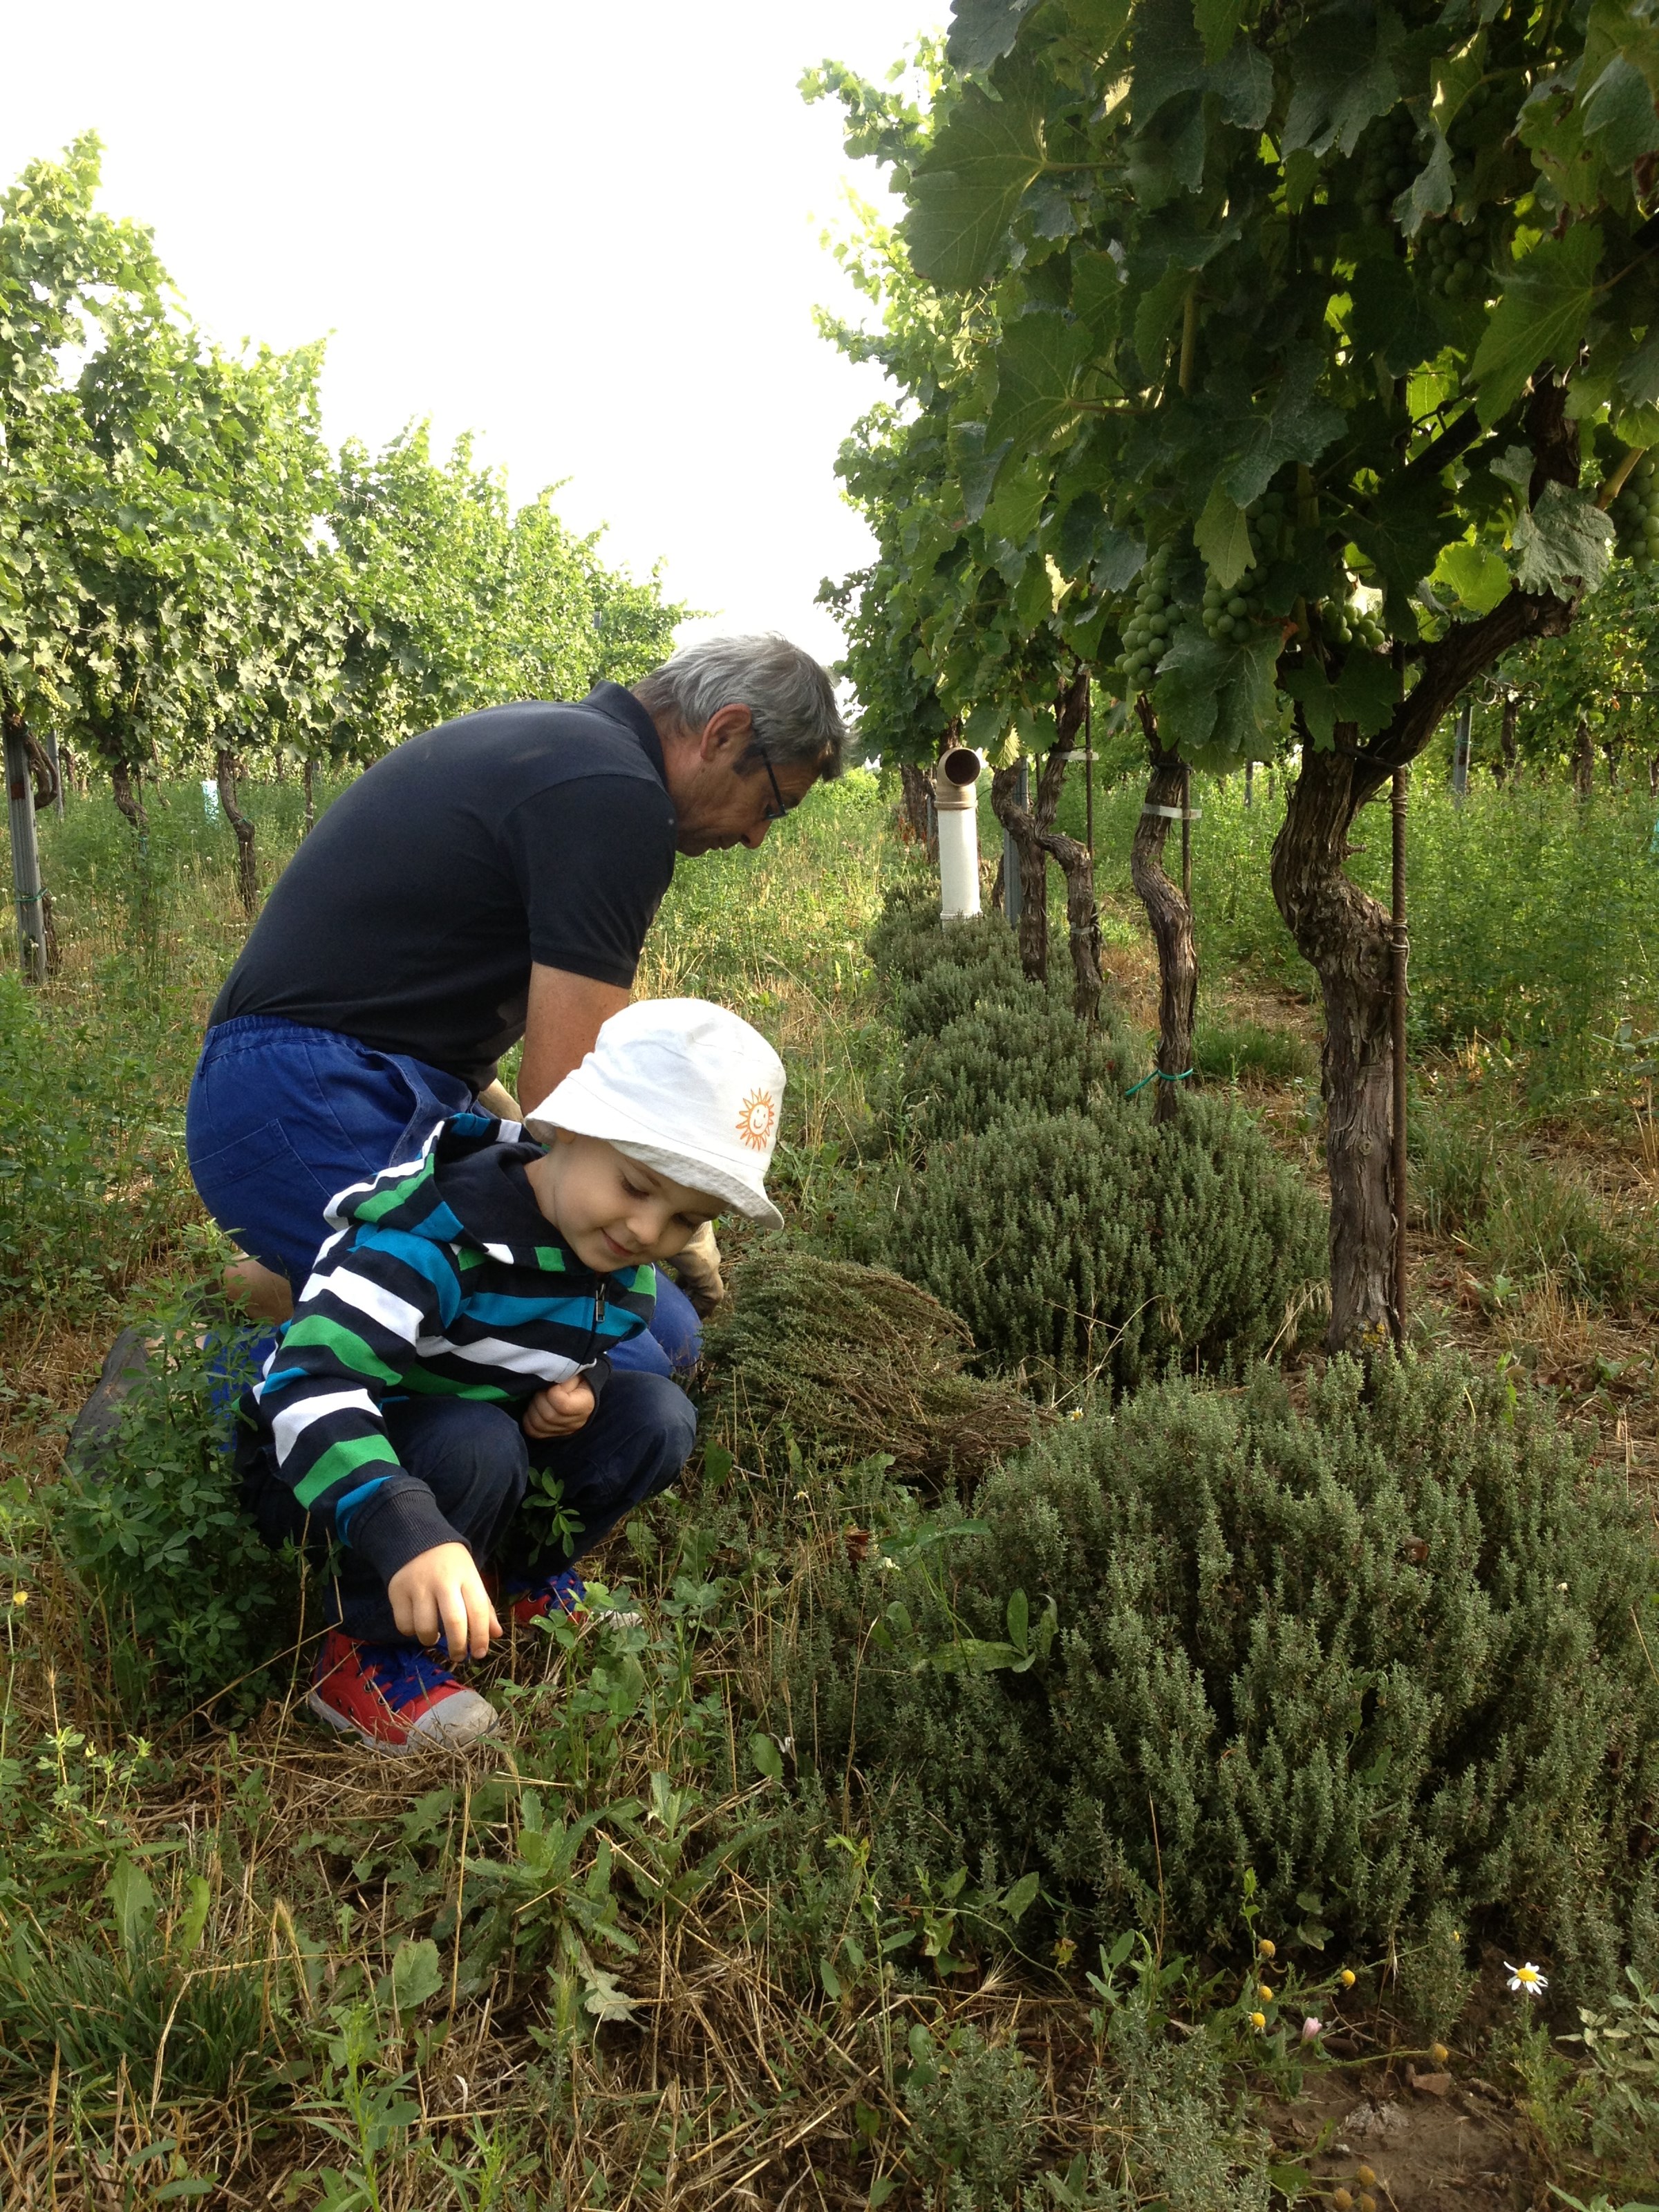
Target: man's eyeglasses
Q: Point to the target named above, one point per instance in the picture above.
(779, 805)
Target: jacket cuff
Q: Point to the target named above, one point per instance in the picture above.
(598, 1376)
(397, 1525)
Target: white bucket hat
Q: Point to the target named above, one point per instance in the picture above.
(684, 1087)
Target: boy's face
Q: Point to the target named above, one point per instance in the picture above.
(613, 1212)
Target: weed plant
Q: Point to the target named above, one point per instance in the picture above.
(183, 1599)
(1385, 1652)
(1523, 1220)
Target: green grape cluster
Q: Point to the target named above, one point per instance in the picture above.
(1458, 256)
(1153, 624)
(1390, 163)
(1231, 610)
(1635, 513)
(1229, 614)
(1345, 622)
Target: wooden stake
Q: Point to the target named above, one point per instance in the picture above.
(1089, 767)
(1400, 942)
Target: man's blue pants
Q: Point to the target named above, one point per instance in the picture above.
(476, 1460)
(281, 1118)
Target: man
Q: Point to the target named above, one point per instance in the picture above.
(491, 880)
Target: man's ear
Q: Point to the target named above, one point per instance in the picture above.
(726, 734)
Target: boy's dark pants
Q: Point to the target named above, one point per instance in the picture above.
(476, 1460)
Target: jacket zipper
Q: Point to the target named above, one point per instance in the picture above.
(599, 1316)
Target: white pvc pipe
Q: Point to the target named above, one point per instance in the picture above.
(958, 864)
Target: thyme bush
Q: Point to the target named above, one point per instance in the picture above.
(1105, 1246)
(1382, 1650)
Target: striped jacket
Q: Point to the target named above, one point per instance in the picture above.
(443, 1278)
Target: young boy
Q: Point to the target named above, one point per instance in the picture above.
(453, 1335)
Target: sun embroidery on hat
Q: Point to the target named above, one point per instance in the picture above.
(758, 1119)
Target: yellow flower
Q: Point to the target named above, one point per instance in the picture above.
(1264, 1993)
(1266, 1949)
(20, 1597)
(1346, 1977)
(1065, 1950)
(1259, 2021)
(1439, 2053)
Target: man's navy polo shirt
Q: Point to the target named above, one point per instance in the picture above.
(409, 918)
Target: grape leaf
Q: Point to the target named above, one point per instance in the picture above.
(1166, 55)
(1477, 576)
(1222, 536)
(1299, 429)
(1215, 704)
(1365, 693)
(1400, 532)
(1564, 540)
(1541, 316)
(966, 189)
(1218, 24)
(1430, 192)
(1344, 75)
(981, 31)
(1618, 115)
(1389, 316)
(1040, 366)
(976, 467)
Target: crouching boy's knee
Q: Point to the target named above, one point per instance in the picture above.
(665, 1418)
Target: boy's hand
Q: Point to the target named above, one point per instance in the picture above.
(441, 1589)
(560, 1409)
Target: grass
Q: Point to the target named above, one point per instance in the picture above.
(1534, 917)
(644, 1958)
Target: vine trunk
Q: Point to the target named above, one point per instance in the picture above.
(1170, 918)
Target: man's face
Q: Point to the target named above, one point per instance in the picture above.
(611, 1211)
(721, 791)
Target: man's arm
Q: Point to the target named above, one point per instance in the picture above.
(561, 1023)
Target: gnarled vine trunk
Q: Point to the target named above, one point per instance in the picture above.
(1035, 840)
(1170, 918)
(1344, 933)
(1077, 862)
(1020, 823)
(124, 784)
(248, 872)
(913, 785)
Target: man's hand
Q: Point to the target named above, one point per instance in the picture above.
(560, 1409)
(441, 1590)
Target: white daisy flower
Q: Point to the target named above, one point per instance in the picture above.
(1525, 1980)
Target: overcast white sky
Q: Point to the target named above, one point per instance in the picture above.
(589, 234)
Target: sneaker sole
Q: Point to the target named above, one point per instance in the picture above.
(342, 1724)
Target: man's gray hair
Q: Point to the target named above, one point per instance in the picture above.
(790, 698)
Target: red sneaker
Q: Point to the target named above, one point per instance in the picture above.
(528, 1601)
(395, 1697)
